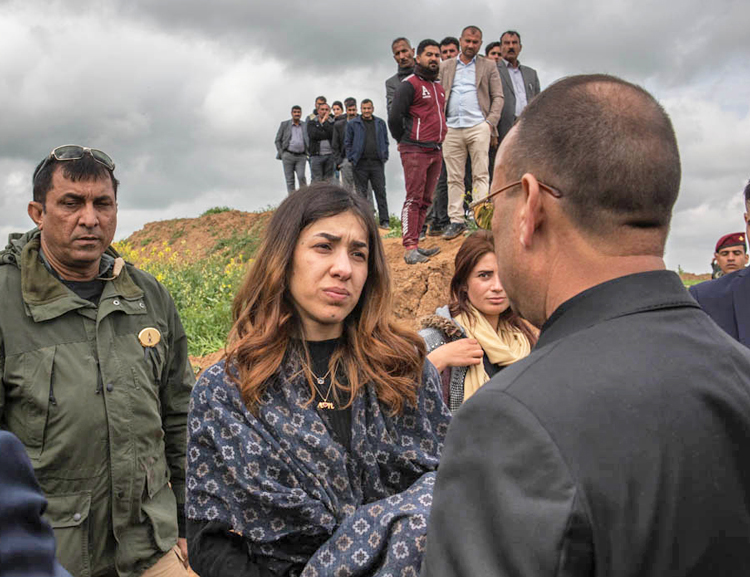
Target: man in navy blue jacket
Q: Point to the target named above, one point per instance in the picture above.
(27, 545)
(366, 145)
(727, 299)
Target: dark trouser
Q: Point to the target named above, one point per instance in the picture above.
(372, 170)
(421, 172)
(293, 163)
(493, 154)
(437, 214)
(322, 167)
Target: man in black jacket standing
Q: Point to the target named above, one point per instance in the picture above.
(339, 148)
(320, 132)
(619, 446)
(403, 54)
(366, 144)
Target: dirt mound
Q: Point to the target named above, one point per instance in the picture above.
(231, 231)
(689, 276)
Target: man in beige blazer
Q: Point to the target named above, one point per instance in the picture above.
(474, 102)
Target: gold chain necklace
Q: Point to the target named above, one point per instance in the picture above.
(325, 403)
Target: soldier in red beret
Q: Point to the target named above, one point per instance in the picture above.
(731, 252)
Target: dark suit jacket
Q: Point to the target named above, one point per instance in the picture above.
(284, 135)
(618, 447)
(727, 301)
(489, 87)
(530, 82)
(27, 545)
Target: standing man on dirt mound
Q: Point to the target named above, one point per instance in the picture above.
(94, 377)
(417, 122)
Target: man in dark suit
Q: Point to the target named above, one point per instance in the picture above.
(619, 446)
(515, 77)
(727, 299)
(291, 148)
(27, 545)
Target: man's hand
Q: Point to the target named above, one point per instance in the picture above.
(182, 545)
(493, 143)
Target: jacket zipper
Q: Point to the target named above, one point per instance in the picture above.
(440, 112)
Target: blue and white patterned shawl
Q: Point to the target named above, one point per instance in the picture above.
(298, 496)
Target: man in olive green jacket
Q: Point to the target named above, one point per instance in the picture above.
(95, 377)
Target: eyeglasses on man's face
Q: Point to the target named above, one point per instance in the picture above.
(484, 209)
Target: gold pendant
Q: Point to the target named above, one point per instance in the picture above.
(325, 405)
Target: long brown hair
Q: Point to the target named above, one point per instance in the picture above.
(472, 250)
(374, 349)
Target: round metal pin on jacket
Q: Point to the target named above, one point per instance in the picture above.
(149, 337)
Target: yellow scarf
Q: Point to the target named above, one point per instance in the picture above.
(502, 347)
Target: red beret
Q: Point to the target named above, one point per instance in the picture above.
(734, 239)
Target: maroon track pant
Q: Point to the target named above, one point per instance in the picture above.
(421, 172)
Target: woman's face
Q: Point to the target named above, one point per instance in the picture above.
(329, 270)
(484, 288)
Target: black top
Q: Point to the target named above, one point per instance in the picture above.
(618, 447)
(337, 421)
(370, 151)
(213, 550)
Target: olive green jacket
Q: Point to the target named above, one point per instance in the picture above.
(102, 417)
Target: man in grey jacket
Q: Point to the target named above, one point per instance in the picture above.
(291, 148)
(520, 82)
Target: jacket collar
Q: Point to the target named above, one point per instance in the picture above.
(635, 293)
(46, 297)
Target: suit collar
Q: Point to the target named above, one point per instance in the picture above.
(620, 297)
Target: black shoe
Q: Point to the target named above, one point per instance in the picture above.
(422, 235)
(428, 251)
(384, 226)
(413, 257)
(436, 230)
(454, 229)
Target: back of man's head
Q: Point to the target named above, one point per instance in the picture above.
(609, 147)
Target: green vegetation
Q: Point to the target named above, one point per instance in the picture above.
(216, 210)
(202, 290)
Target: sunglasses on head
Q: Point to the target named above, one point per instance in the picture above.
(75, 152)
(484, 209)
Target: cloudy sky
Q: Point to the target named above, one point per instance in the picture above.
(187, 96)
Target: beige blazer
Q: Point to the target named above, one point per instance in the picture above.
(489, 87)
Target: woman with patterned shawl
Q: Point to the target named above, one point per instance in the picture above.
(313, 445)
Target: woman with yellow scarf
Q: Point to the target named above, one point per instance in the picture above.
(477, 334)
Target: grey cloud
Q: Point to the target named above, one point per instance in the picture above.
(186, 96)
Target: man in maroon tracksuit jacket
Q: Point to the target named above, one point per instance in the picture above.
(417, 122)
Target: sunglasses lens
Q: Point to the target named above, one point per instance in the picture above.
(103, 158)
(483, 215)
(68, 152)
